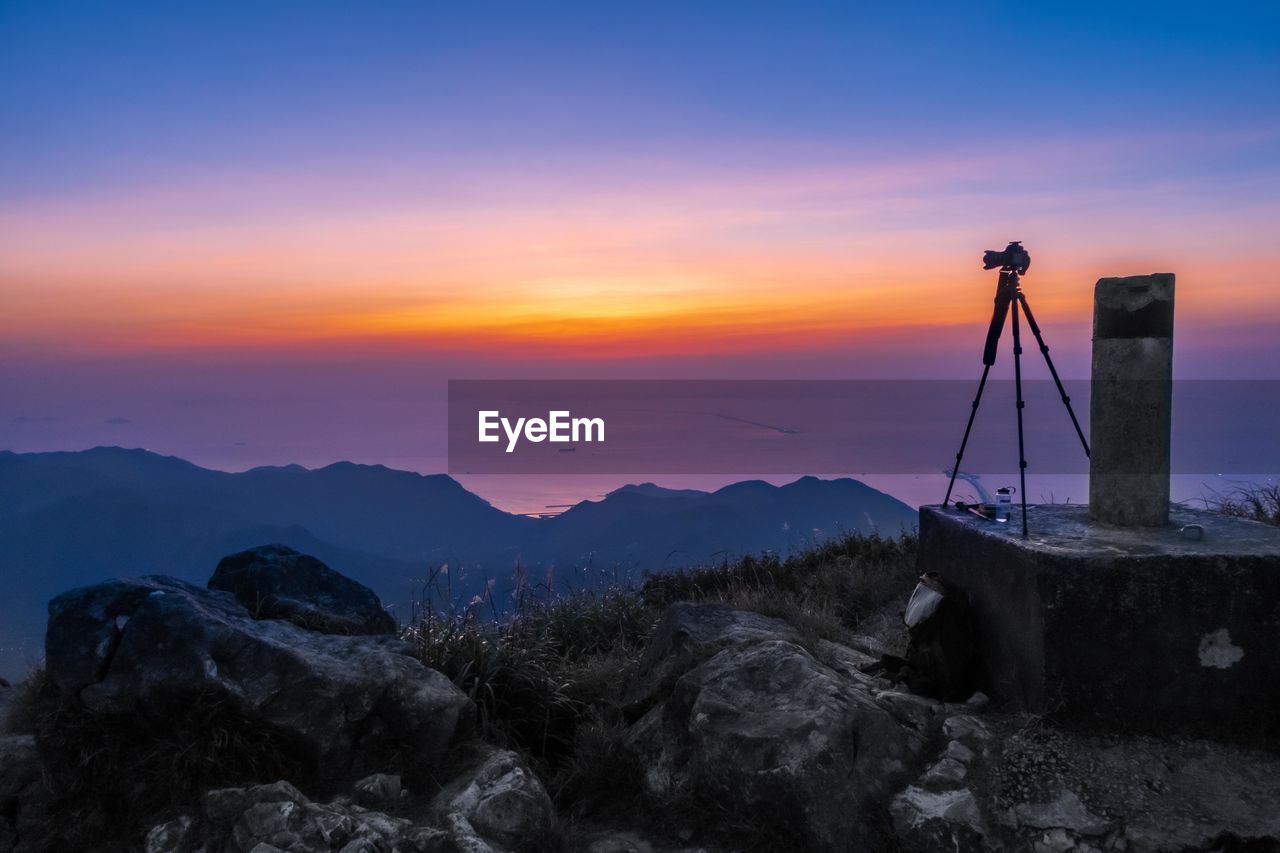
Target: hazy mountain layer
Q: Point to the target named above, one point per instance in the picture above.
(68, 519)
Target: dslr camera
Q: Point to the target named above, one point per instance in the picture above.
(1014, 258)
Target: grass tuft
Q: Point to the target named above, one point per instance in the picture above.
(26, 706)
(536, 674)
(822, 591)
(1256, 502)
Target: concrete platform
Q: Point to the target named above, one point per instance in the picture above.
(1133, 625)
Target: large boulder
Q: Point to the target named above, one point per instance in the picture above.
(502, 800)
(276, 582)
(764, 729)
(154, 645)
(689, 633)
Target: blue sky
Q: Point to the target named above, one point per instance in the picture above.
(104, 93)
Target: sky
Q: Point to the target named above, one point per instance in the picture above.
(285, 213)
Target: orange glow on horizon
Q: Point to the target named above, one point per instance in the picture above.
(725, 263)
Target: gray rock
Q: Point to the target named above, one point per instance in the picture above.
(765, 726)
(689, 633)
(423, 839)
(939, 820)
(169, 837)
(279, 817)
(918, 712)
(150, 646)
(1054, 841)
(844, 659)
(849, 662)
(224, 806)
(463, 836)
(381, 790)
(276, 582)
(967, 729)
(957, 751)
(947, 773)
(502, 800)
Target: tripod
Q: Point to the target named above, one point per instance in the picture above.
(1009, 295)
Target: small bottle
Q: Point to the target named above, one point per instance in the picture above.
(1004, 503)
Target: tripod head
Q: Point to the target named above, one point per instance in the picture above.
(1014, 259)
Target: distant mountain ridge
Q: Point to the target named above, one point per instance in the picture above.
(76, 517)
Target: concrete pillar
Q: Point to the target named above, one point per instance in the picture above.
(1131, 399)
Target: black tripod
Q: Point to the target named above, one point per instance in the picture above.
(1013, 261)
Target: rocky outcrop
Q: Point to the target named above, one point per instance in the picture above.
(152, 646)
(279, 817)
(763, 729)
(276, 582)
(739, 732)
(940, 811)
(497, 807)
(749, 726)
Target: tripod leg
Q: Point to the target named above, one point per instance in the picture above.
(1044, 350)
(1004, 296)
(982, 383)
(1017, 383)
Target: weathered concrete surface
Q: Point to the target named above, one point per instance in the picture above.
(1140, 625)
(1131, 398)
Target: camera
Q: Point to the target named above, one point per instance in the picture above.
(1014, 258)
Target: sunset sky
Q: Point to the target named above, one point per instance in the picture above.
(309, 204)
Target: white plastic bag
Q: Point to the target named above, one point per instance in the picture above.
(924, 601)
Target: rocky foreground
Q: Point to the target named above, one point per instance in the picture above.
(734, 731)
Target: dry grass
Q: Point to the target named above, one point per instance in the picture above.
(1257, 502)
(823, 592)
(537, 674)
(25, 708)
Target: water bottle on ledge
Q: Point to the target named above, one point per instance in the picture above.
(1004, 502)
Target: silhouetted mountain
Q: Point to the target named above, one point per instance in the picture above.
(68, 519)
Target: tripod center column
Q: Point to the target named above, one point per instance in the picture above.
(1131, 399)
